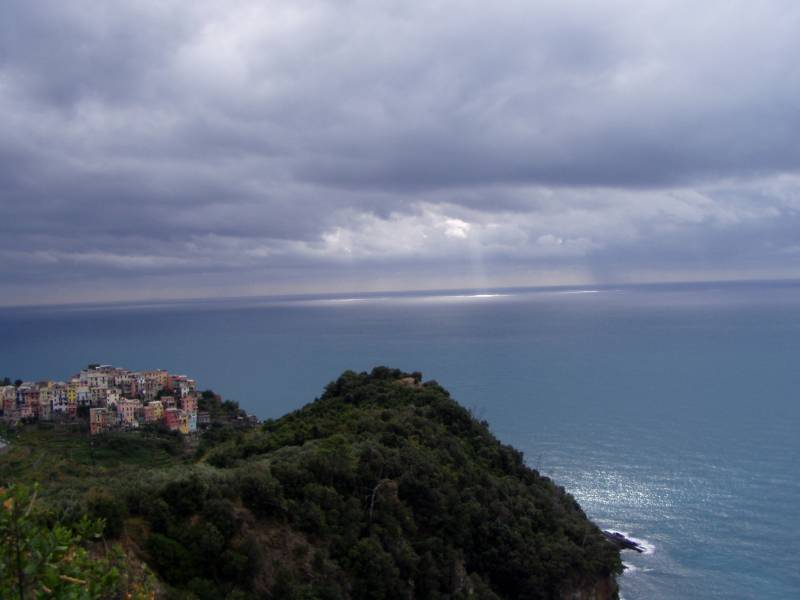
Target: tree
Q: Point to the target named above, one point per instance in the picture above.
(375, 573)
(262, 493)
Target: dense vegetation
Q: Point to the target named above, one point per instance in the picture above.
(382, 488)
(39, 559)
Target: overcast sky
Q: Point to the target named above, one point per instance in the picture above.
(181, 149)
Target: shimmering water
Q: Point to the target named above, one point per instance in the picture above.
(670, 412)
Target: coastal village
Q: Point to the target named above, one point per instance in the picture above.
(109, 398)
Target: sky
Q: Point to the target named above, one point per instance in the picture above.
(170, 149)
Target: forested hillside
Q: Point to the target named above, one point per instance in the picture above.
(384, 487)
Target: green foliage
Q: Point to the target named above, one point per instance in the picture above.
(220, 513)
(382, 488)
(171, 559)
(37, 560)
(186, 495)
(219, 409)
(104, 506)
(375, 573)
(65, 459)
(262, 493)
(410, 495)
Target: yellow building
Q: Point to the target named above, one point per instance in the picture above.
(153, 412)
(183, 423)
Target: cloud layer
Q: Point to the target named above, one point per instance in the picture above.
(210, 148)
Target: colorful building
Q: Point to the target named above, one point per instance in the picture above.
(189, 403)
(98, 420)
(153, 411)
(126, 412)
(172, 418)
(115, 398)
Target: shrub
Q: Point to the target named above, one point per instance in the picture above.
(102, 504)
(38, 560)
(262, 493)
(170, 558)
(220, 513)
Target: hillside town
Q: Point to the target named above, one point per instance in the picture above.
(109, 398)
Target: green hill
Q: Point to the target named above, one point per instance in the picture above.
(382, 488)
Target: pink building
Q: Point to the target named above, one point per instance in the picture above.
(172, 418)
(126, 409)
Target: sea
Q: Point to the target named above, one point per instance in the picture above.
(671, 412)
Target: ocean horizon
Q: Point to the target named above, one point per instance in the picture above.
(668, 410)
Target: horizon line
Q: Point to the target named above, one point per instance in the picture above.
(322, 295)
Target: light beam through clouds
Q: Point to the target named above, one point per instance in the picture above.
(172, 149)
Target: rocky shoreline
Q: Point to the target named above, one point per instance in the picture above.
(622, 542)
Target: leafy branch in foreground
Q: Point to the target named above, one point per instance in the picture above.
(41, 561)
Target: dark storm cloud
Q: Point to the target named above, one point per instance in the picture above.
(284, 143)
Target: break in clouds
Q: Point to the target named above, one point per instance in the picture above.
(214, 148)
